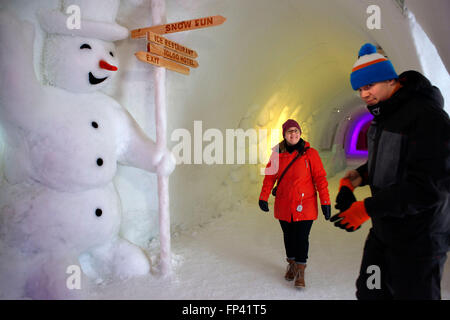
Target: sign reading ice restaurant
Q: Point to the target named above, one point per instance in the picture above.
(156, 38)
(180, 26)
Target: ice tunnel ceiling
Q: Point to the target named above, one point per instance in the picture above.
(273, 60)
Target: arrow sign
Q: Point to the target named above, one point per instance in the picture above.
(161, 62)
(180, 26)
(155, 38)
(172, 55)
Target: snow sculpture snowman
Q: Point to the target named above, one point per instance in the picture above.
(63, 140)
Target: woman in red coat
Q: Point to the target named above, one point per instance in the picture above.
(296, 195)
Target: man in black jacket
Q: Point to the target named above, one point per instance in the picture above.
(408, 171)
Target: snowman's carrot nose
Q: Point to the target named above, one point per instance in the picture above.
(105, 65)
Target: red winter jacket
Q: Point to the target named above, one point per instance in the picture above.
(298, 186)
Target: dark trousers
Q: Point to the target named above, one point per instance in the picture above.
(401, 276)
(296, 239)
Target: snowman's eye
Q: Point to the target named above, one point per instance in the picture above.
(112, 55)
(85, 46)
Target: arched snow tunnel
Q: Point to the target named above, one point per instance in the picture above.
(270, 60)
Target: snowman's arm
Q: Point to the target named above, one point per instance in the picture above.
(136, 149)
(19, 88)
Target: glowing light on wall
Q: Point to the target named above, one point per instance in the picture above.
(275, 112)
(354, 133)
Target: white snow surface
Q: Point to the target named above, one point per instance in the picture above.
(240, 255)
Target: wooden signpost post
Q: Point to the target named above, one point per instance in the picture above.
(168, 54)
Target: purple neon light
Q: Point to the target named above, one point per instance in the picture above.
(351, 150)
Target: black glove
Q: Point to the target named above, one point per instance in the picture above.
(264, 205)
(344, 199)
(326, 210)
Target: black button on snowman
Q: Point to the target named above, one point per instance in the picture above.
(99, 160)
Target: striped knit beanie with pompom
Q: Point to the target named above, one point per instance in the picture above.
(371, 67)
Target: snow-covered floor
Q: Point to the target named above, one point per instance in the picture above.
(240, 255)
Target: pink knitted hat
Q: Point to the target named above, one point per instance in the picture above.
(289, 124)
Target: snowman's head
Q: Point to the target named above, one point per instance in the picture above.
(79, 64)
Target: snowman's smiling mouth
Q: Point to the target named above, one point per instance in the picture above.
(93, 80)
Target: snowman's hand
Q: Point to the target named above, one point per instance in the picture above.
(18, 79)
(166, 165)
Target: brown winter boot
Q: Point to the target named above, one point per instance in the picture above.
(300, 275)
(290, 270)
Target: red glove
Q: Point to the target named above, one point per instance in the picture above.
(351, 219)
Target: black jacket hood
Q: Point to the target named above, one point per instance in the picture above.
(414, 86)
(416, 83)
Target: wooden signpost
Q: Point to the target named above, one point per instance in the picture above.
(166, 53)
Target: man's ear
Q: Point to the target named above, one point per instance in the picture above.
(392, 82)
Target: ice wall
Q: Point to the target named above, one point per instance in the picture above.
(433, 67)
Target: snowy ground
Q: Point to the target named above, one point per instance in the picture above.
(240, 255)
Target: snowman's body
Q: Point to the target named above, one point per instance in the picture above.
(38, 219)
(94, 132)
(63, 144)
